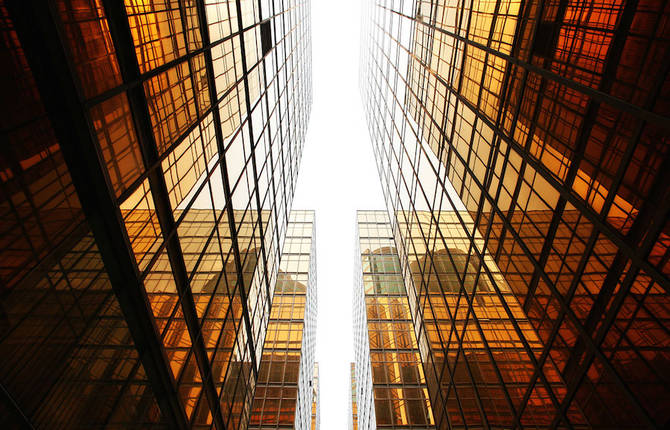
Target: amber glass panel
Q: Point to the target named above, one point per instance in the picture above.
(201, 83)
(227, 63)
(177, 342)
(469, 326)
(565, 269)
(183, 167)
(87, 35)
(221, 18)
(68, 357)
(142, 224)
(252, 41)
(190, 386)
(224, 315)
(190, 15)
(172, 104)
(161, 291)
(195, 228)
(157, 30)
(279, 390)
(116, 135)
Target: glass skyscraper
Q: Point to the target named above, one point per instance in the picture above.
(316, 399)
(285, 396)
(148, 162)
(388, 366)
(352, 415)
(535, 135)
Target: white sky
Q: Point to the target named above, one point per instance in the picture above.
(337, 176)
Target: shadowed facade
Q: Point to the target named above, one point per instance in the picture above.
(148, 161)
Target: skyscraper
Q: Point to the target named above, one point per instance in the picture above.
(463, 321)
(316, 399)
(391, 355)
(148, 162)
(353, 406)
(285, 390)
(536, 135)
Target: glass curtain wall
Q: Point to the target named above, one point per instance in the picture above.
(353, 407)
(284, 392)
(149, 157)
(548, 123)
(399, 392)
(316, 399)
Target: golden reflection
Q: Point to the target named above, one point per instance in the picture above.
(465, 319)
(172, 105)
(114, 127)
(279, 389)
(494, 24)
(87, 35)
(142, 226)
(400, 397)
(157, 31)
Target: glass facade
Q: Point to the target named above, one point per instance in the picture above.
(316, 399)
(480, 346)
(381, 305)
(536, 134)
(149, 157)
(353, 407)
(284, 393)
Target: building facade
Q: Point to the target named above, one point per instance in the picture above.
(148, 160)
(316, 399)
(390, 384)
(285, 389)
(542, 129)
(351, 400)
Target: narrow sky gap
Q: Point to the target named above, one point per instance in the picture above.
(337, 176)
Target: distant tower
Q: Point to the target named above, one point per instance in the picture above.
(285, 389)
(353, 407)
(390, 386)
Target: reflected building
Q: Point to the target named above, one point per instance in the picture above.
(537, 134)
(149, 155)
(285, 396)
(389, 382)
